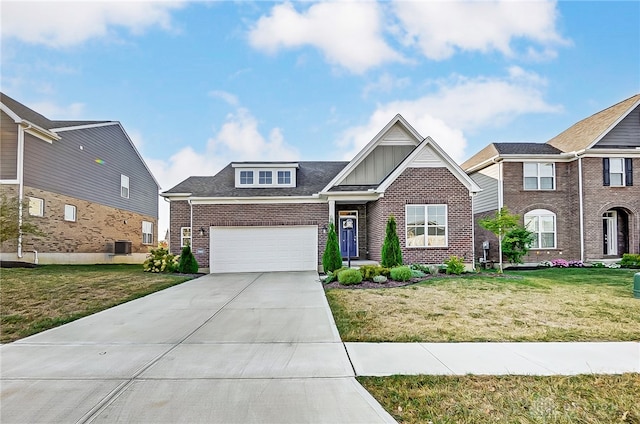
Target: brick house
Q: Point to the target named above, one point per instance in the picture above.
(268, 216)
(87, 187)
(576, 192)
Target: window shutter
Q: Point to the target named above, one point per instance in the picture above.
(605, 172)
(628, 169)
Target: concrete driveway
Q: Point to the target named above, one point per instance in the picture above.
(233, 348)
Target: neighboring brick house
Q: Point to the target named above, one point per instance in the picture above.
(87, 187)
(576, 192)
(267, 216)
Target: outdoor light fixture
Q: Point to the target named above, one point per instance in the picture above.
(202, 231)
(324, 229)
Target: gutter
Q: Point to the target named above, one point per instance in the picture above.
(20, 176)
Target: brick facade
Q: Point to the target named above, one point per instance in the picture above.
(94, 231)
(423, 186)
(243, 215)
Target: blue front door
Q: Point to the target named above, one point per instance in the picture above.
(348, 237)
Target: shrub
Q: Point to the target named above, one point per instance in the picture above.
(391, 253)
(598, 265)
(546, 264)
(370, 271)
(160, 260)
(630, 260)
(613, 266)
(381, 279)
(385, 271)
(576, 264)
(560, 263)
(333, 276)
(401, 273)
(188, 263)
(331, 258)
(416, 273)
(420, 267)
(349, 276)
(455, 265)
(515, 244)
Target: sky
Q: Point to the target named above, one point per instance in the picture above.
(197, 85)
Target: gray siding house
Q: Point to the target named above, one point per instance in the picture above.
(579, 192)
(273, 216)
(88, 189)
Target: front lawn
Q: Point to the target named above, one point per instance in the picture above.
(572, 304)
(36, 299)
(508, 399)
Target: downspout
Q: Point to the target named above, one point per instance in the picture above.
(20, 172)
(190, 222)
(581, 208)
(473, 234)
(500, 205)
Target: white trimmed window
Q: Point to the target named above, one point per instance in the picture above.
(284, 177)
(265, 177)
(542, 223)
(539, 176)
(36, 206)
(246, 178)
(426, 225)
(124, 186)
(70, 213)
(185, 236)
(147, 232)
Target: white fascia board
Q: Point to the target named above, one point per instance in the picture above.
(264, 165)
(39, 132)
(562, 157)
(607, 153)
(353, 196)
(451, 165)
(177, 196)
(484, 164)
(255, 200)
(11, 113)
(612, 126)
(362, 154)
(85, 126)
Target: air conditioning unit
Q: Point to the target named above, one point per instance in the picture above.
(122, 247)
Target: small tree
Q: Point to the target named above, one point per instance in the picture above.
(331, 258)
(391, 253)
(500, 224)
(516, 244)
(188, 263)
(10, 228)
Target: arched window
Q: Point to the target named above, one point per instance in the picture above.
(542, 223)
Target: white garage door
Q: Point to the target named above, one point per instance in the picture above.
(258, 249)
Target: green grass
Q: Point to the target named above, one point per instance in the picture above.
(542, 305)
(36, 299)
(508, 399)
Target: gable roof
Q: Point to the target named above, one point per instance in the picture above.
(584, 134)
(30, 115)
(310, 179)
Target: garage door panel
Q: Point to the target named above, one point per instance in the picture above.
(258, 249)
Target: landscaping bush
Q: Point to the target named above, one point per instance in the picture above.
(455, 265)
(391, 253)
(576, 264)
(331, 258)
(333, 276)
(350, 276)
(560, 263)
(188, 263)
(630, 260)
(416, 273)
(370, 271)
(160, 260)
(598, 265)
(381, 279)
(401, 273)
(419, 267)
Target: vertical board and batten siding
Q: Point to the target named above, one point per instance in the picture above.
(625, 134)
(64, 168)
(8, 148)
(377, 165)
(487, 199)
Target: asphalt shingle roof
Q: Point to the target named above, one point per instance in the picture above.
(497, 149)
(40, 120)
(311, 178)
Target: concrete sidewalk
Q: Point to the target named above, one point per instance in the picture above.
(235, 348)
(381, 359)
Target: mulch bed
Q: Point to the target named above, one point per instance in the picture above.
(393, 283)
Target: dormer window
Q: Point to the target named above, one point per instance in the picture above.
(265, 174)
(246, 177)
(284, 177)
(265, 177)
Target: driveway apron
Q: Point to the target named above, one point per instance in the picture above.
(228, 348)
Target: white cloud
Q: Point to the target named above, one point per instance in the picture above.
(69, 23)
(440, 28)
(386, 83)
(230, 99)
(460, 106)
(239, 139)
(55, 111)
(347, 33)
